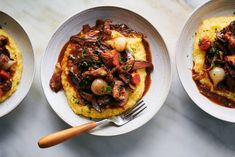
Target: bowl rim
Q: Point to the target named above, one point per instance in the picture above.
(34, 66)
(104, 7)
(197, 9)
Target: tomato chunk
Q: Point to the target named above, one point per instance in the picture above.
(204, 43)
(135, 78)
(116, 58)
(4, 75)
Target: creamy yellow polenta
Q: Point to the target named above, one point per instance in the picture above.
(18, 67)
(209, 28)
(136, 47)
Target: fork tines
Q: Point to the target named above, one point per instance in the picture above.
(136, 110)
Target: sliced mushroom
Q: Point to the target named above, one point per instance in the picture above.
(100, 72)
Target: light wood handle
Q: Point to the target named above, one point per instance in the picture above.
(61, 136)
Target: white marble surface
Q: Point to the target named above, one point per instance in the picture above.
(180, 128)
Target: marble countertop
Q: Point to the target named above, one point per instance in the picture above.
(180, 128)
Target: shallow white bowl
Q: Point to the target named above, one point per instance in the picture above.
(184, 60)
(22, 40)
(161, 75)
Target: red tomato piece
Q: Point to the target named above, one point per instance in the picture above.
(4, 75)
(135, 78)
(204, 44)
(116, 58)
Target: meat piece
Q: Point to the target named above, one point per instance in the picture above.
(135, 78)
(204, 44)
(4, 75)
(127, 61)
(107, 32)
(103, 100)
(123, 101)
(230, 82)
(221, 35)
(230, 38)
(231, 27)
(110, 78)
(3, 41)
(142, 64)
(91, 36)
(99, 24)
(230, 64)
(3, 61)
(226, 39)
(78, 40)
(125, 77)
(110, 57)
(95, 105)
(86, 96)
(6, 86)
(100, 72)
(55, 82)
(119, 91)
(86, 28)
(107, 26)
(89, 54)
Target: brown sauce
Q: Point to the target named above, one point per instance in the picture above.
(218, 99)
(149, 59)
(61, 55)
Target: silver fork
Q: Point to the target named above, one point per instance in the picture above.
(61, 136)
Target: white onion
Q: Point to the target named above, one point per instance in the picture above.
(217, 74)
(120, 43)
(99, 86)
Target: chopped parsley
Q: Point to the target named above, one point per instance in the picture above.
(108, 88)
(126, 67)
(102, 89)
(75, 100)
(200, 41)
(84, 52)
(133, 49)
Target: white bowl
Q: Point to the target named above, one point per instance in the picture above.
(161, 75)
(184, 60)
(23, 42)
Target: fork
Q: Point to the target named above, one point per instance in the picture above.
(61, 136)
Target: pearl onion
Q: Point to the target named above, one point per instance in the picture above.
(120, 43)
(98, 87)
(217, 74)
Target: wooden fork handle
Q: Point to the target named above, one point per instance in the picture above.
(61, 136)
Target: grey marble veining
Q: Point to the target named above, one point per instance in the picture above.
(179, 129)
